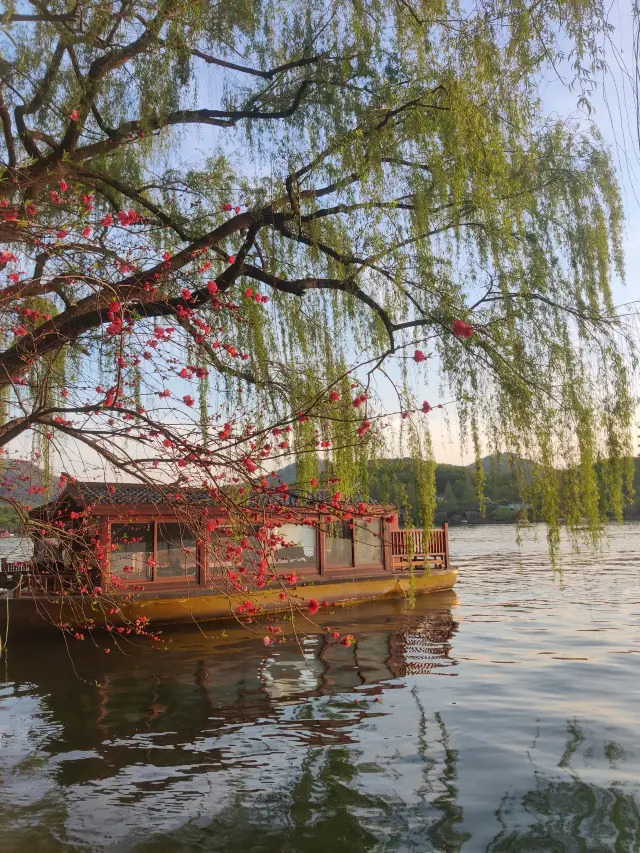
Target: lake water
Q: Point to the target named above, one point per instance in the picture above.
(504, 717)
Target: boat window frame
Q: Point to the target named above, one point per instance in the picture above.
(380, 564)
(156, 521)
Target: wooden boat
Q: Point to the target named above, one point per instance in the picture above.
(158, 570)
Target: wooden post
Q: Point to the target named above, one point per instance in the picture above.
(321, 544)
(201, 554)
(445, 528)
(105, 536)
(155, 549)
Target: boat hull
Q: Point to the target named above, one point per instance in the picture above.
(31, 615)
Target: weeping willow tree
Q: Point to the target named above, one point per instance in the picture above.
(320, 201)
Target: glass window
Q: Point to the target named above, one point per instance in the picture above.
(339, 544)
(176, 551)
(133, 550)
(301, 550)
(223, 555)
(368, 544)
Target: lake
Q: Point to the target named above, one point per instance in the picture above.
(502, 717)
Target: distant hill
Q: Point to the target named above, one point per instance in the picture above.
(500, 463)
(288, 473)
(19, 479)
(393, 481)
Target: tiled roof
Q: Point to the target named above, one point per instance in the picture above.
(137, 493)
(86, 494)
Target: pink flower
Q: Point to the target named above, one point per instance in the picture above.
(462, 329)
(212, 287)
(419, 356)
(313, 606)
(74, 115)
(188, 399)
(334, 396)
(426, 408)
(227, 206)
(64, 185)
(232, 259)
(87, 232)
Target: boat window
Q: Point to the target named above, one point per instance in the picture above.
(132, 548)
(368, 543)
(301, 550)
(176, 551)
(339, 544)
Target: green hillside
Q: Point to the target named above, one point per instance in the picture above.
(393, 481)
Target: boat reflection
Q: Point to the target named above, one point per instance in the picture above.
(206, 682)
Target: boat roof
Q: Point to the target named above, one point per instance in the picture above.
(81, 495)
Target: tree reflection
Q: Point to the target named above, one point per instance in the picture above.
(571, 815)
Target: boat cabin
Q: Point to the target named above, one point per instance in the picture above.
(156, 540)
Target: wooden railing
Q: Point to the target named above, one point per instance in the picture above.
(420, 548)
(27, 577)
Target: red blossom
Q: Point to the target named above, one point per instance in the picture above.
(426, 408)
(74, 115)
(462, 329)
(313, 606)
(419, 356)
(188, 400)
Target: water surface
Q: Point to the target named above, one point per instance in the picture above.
(504, 717)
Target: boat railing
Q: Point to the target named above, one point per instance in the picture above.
(415, 547)
(30, 577)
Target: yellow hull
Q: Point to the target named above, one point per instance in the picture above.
(206, 605)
